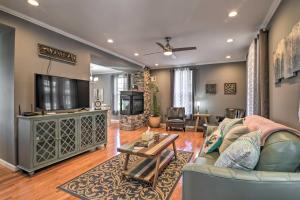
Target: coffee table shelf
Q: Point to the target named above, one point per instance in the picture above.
(154, 158)
(145, 168)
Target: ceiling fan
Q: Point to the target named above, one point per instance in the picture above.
(168, 50)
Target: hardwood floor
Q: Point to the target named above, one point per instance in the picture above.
(43, 185)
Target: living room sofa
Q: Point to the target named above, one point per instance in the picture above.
(202, 180)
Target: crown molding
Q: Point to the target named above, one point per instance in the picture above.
(270, 13)
(199, 64)
(64, 33)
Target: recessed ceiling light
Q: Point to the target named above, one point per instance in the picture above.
(110, 41)
(228, 57)
(136, 54)
(230, 40)
(233, 14)
(156, 64)
(33, 2)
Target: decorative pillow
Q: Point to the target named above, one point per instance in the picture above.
(213, 141)
(227, 124)
(243, 154)
(232, 135)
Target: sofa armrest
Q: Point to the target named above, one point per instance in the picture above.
(204, 181)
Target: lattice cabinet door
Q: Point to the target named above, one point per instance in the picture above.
(100, 128)
(45, 141)
(86, 132)
(67, 136)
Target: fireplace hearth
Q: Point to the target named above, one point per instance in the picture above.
(132, 103)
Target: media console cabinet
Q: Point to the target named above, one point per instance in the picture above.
(47, 139)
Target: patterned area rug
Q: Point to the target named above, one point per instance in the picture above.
(105, 181)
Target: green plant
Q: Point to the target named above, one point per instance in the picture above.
(154, 106)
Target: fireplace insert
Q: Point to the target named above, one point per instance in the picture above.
(132, 103)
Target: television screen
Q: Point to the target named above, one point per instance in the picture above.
(58, 93)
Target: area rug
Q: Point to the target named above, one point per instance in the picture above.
(105, 181)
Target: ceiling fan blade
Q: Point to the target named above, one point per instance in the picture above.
(161, 45)
(184, 49)
(147, 54)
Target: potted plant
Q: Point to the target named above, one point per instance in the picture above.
(154, 119)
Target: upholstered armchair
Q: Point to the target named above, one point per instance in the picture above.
(175, 118)
(234, 113)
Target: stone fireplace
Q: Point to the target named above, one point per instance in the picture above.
(132, 103)
(135, 114)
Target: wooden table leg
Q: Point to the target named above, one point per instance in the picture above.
(156, 171)
(126, 161)
(175, 150)
(197, 123)
(206, 120)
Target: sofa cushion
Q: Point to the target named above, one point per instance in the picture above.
(213, 141)
(227, 124)
(242, 154)
(233, 134)
(281, 153)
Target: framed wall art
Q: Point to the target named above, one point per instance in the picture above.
(230, 88)
(211, 88)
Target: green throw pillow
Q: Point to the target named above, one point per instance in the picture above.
(213, 141)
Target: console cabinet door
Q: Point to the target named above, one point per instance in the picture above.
(100, 128)
(45, 141)
(67, 136)
(86, 132)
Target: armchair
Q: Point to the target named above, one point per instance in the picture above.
(175, 118)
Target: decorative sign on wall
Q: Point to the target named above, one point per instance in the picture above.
(286, 57)
(56, 54)
(211, 88)
(230, 88)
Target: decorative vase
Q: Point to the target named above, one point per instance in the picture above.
(154, 122)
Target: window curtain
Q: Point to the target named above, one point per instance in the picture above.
(120, 83)
(183, 89)
(258, 76)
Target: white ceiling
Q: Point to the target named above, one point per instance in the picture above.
(98, 69)
(135, 25)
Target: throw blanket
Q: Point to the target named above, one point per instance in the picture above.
(266, 126)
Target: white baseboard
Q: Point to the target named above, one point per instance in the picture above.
(8, 165)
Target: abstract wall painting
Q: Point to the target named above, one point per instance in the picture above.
(230, 88)
(286, 57)
(211, 88)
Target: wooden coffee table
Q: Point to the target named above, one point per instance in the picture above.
(153, 158)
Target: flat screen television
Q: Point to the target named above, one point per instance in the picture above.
(59, 93)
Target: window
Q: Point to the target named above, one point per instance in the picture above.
(120, 84)
(183, 89)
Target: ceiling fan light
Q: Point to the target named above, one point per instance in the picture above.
(168, 53)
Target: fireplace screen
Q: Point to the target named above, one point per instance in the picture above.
(132, 103)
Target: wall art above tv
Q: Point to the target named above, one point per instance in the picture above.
(56, 54)
(286, 57)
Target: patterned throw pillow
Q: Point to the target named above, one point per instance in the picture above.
(232, 135)
(243, 154)
(213, 141)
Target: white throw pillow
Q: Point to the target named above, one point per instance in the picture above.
(242, 154)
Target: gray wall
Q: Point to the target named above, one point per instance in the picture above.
(163, 80)
(27, 62)
(7, 136)
(104, 82)
(284, 98)
(218, 74)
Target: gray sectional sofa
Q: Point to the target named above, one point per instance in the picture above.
(271, 180)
